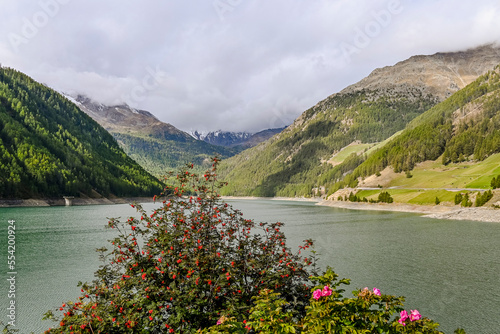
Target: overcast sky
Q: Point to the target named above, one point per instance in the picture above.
(239, 65)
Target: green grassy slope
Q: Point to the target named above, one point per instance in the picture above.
(460, 175)
(432, 179)
(348, 150)
(49, 148)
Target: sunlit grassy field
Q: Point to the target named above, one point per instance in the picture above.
(431, 179)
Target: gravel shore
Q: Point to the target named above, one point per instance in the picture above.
(479, 214)
(434, 211)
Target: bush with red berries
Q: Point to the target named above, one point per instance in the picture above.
(181, 267)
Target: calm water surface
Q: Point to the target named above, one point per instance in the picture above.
(448, 270)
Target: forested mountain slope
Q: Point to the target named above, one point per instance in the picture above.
(465, 127)
(299, 159)
(49, 148)
(157, 146)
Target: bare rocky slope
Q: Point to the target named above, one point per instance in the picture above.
(124, 119)
(440, 74)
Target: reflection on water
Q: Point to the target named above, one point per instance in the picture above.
(449, 270)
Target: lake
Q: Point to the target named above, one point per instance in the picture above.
(448, 270)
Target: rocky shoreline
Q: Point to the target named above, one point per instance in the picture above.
(435, 211)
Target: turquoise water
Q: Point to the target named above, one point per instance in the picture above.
(448, 270)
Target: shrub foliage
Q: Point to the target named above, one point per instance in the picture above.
(177, 269)
(495, 182)
(330, 311)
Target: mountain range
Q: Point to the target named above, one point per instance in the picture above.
(160, 147)
(315, 152)
(242, 140)
(450, 153)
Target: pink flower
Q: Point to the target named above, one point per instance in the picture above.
(415, 315)
(317, 294)
(376, 292)
(326, 291)
(403, 316)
